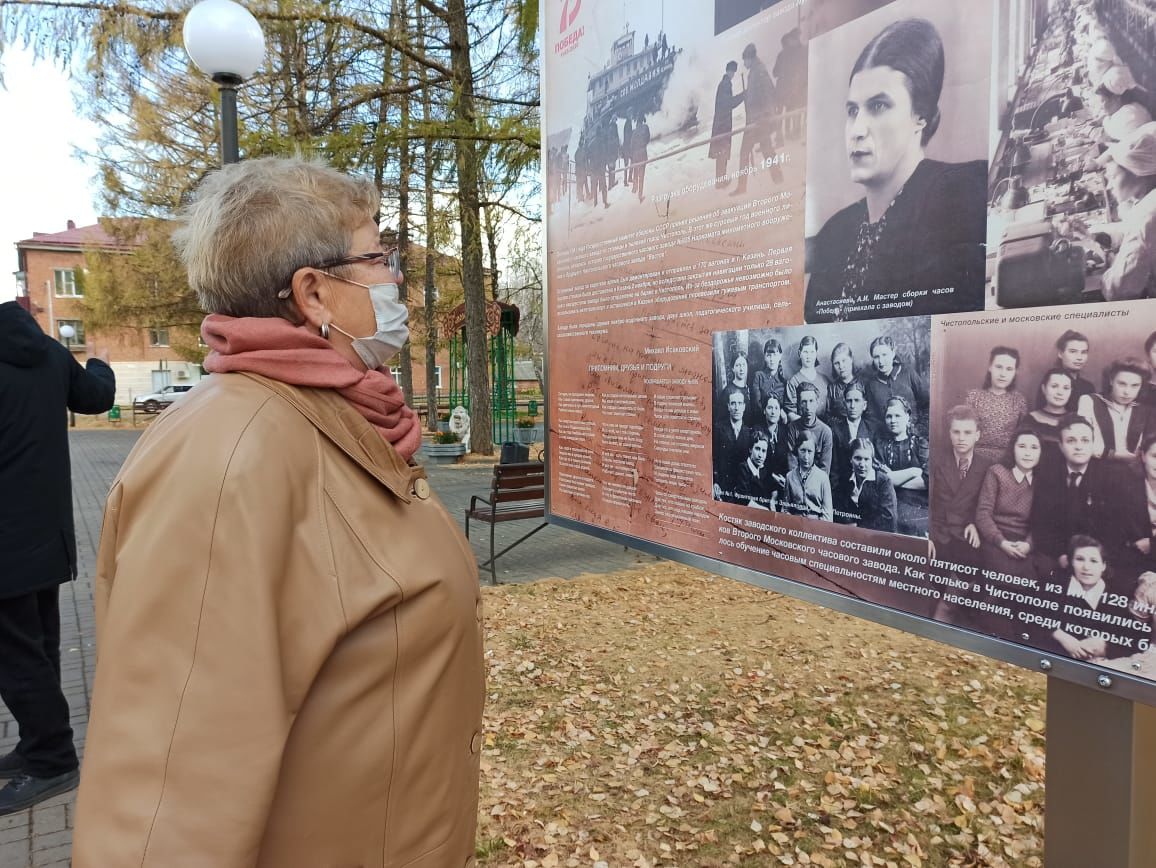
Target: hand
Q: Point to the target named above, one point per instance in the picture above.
(1063, 562)
(971, 536)
(101, 354)
(1144, 546)
(931, 550)
(1011, 549)
(1094, 646)
(1071, 644)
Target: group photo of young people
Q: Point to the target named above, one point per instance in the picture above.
(1044, 476)
(825, 422)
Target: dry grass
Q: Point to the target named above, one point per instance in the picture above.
(667, 717)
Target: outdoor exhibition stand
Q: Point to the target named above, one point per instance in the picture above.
(853, 300)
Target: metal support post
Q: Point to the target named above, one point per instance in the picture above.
(1101, 779)
(228, 86)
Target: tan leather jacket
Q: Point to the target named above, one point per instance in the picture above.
(289, 639)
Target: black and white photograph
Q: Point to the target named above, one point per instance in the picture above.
(664, 111)
(898, 111)
(1072, 187)
(1044, 444)
(825, 422)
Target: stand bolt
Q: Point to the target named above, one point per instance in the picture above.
(1046, 665)
(1104, 681)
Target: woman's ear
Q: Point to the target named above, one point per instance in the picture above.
(310, 292)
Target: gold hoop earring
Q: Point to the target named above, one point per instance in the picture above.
(325, 331)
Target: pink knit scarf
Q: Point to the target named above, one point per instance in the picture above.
(279, 350)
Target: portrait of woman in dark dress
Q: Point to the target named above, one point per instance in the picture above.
(921, 225)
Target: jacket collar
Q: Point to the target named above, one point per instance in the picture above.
(349, 431)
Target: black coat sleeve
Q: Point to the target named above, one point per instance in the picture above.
(91, 389)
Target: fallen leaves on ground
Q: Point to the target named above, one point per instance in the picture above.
(667, 717)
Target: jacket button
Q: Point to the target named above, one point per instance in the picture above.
(421, 488)
(476, 743)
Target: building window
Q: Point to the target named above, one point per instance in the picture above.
(77, 339)
(65, 280)
(158, 337)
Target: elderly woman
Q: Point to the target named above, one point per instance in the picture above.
(999, 405)
(920, 228)
(1130, 169)
(303, 683)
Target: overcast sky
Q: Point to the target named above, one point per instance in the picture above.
(44, 185)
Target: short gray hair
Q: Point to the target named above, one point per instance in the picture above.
(251, 225)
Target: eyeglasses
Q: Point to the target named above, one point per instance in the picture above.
(390, 258)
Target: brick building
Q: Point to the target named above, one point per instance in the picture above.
(48, 267)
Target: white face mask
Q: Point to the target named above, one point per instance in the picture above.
(392, 331)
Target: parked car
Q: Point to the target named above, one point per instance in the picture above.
(154, 402)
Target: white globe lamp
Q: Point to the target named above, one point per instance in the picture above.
(225, 42)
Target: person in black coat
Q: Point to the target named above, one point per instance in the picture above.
(39, 380)
(921, 227)
(725, 103)
(759, 96)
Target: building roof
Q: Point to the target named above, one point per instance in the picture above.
(73, 238)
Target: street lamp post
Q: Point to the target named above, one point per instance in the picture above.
(226, 43)
(67, 333)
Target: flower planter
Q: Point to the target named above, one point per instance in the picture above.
(444, 453)
(529, 435)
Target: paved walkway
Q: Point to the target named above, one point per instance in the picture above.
(42, 837)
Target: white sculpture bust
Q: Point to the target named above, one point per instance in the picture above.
(460, 424)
